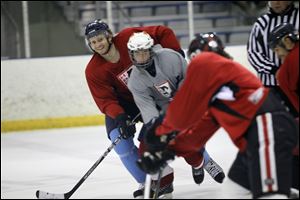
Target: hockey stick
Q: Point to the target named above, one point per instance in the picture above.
(147, 187)
(148, 182)
(46, 195)
(157, 184)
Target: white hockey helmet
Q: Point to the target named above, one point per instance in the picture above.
(140, 41)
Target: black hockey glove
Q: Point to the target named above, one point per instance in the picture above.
(151, 163)
(125, 126)
(156, 143)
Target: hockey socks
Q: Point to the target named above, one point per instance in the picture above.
(205, 155)
(128, 154)
(214, 170)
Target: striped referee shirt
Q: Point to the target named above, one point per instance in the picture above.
(260, 56)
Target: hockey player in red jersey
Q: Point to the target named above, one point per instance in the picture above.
(218, 92)
(156, 76)
(107, 73)
(284, 40)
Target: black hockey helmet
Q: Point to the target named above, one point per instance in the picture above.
(97, 27)
(281, 30)
(207, 42)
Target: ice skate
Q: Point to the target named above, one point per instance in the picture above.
(198, 175)
(139, 193)
(164, 192)
(215, 171)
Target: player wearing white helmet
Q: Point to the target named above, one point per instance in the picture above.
(107, 74)
(154, 80)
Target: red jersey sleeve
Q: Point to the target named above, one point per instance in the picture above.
(107, 81)
(288, 77)
(102, 90)
(161, 35)
(188, 105)
(193, 139)
(207, 73)
(164, 36)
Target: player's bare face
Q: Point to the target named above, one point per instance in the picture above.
(279, 6)
(141, 56)
(99, 44)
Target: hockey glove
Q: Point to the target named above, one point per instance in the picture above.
(156, 143)
(151, 163)
(126, 129)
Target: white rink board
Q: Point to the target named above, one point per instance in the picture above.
(56, 87)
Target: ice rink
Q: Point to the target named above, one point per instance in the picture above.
(55, 160)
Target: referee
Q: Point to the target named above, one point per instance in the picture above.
(260, 56)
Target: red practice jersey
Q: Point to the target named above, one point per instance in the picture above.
(108, 81)
(288, 76)
(206, 75)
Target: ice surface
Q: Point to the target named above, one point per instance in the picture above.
(55, 160)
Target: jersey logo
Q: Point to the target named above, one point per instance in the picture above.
(256, 96)
(164, 89)
(124, 75)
